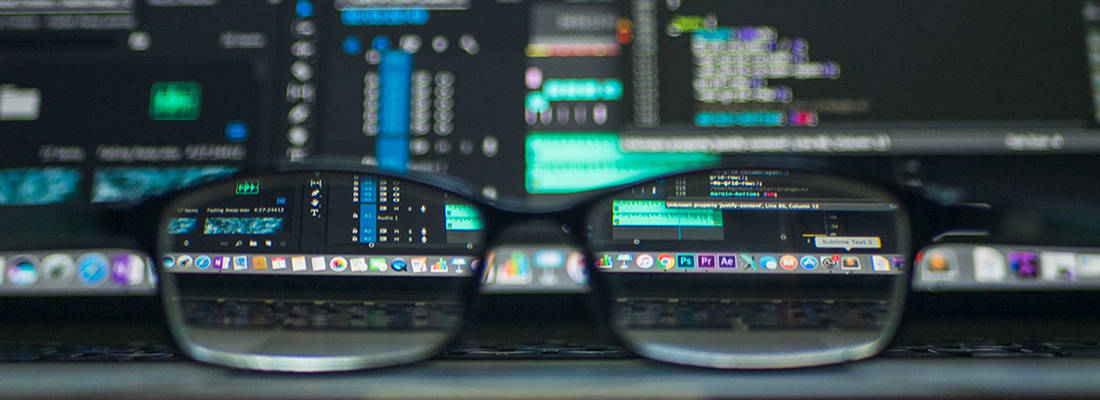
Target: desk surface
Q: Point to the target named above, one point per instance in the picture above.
(633, 379)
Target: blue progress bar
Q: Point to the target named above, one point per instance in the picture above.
(368, 209)
(395, 79)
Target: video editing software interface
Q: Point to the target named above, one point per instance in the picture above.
(115, 100)
(748, 221)
(325, 224)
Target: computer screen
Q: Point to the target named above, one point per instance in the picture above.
(116, 100)
(963, 267)
(342, 223)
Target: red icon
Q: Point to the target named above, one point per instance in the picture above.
(788, 262)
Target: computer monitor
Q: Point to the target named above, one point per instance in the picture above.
(113, 101)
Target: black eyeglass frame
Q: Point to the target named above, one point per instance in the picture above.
(143, 222)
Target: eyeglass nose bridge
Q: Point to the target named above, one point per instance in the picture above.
(567, 226)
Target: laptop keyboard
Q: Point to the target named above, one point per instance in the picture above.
(56, 352)
(992, 348)
(635, 312)
(130, 352)
(750, 315)
(310, 314)
(663, 313)
(528, 351)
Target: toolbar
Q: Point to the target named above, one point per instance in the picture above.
(318, 264)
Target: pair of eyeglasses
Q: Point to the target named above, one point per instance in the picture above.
(731, 267)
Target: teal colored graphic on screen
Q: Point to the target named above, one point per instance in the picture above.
(36, 186)
(175, 101)
(248, 188)
(654, 213)
(573, 90)
(182, 226)
(243, 226)
(130, 183)
(462, 217)
(560, 162)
